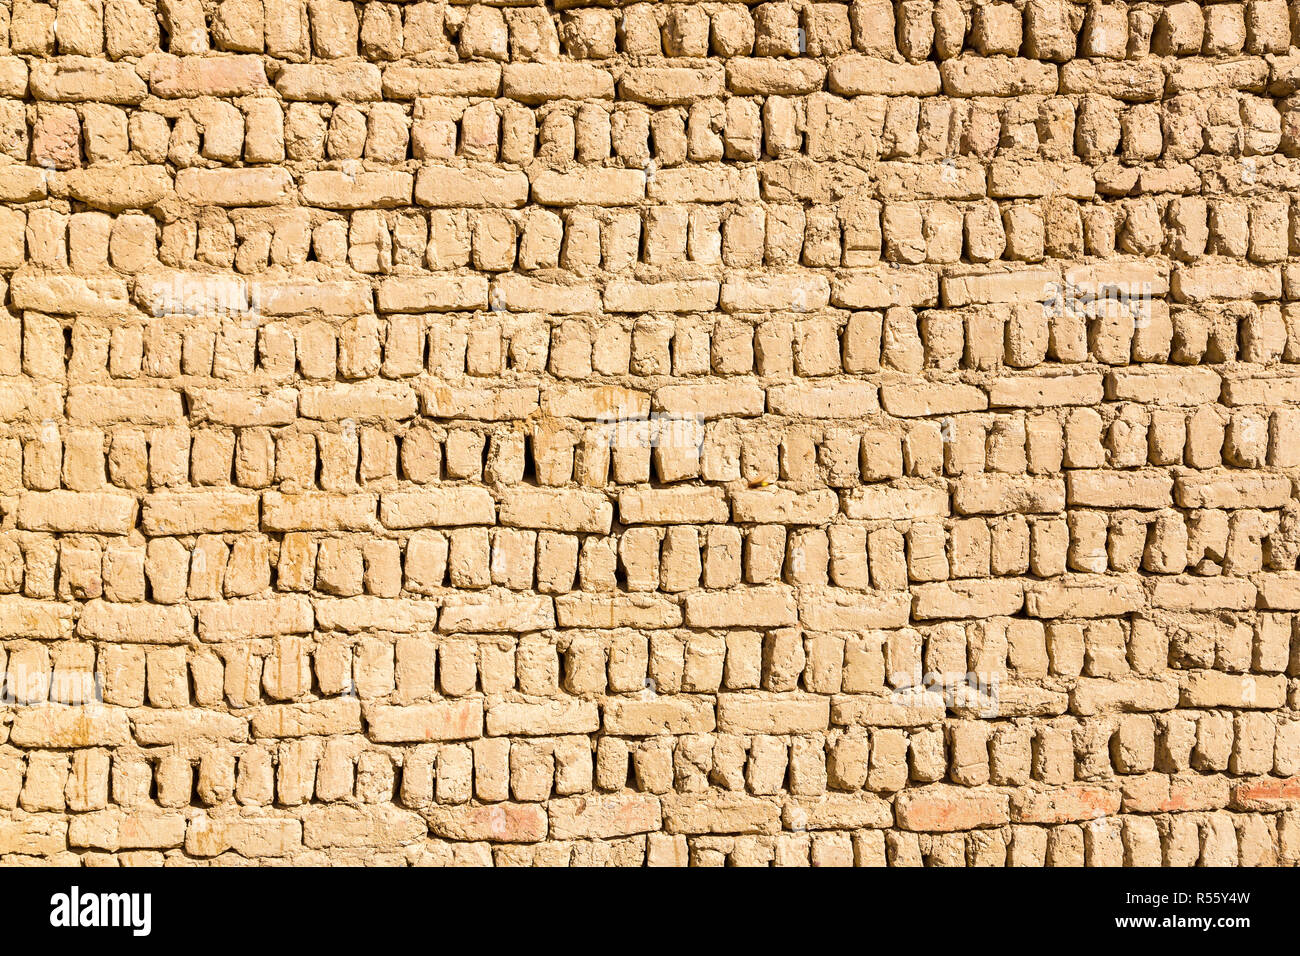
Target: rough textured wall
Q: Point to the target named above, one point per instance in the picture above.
(659, 432)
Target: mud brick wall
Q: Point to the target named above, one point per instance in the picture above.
(650, 433)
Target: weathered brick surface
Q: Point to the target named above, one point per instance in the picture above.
(650, 433)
